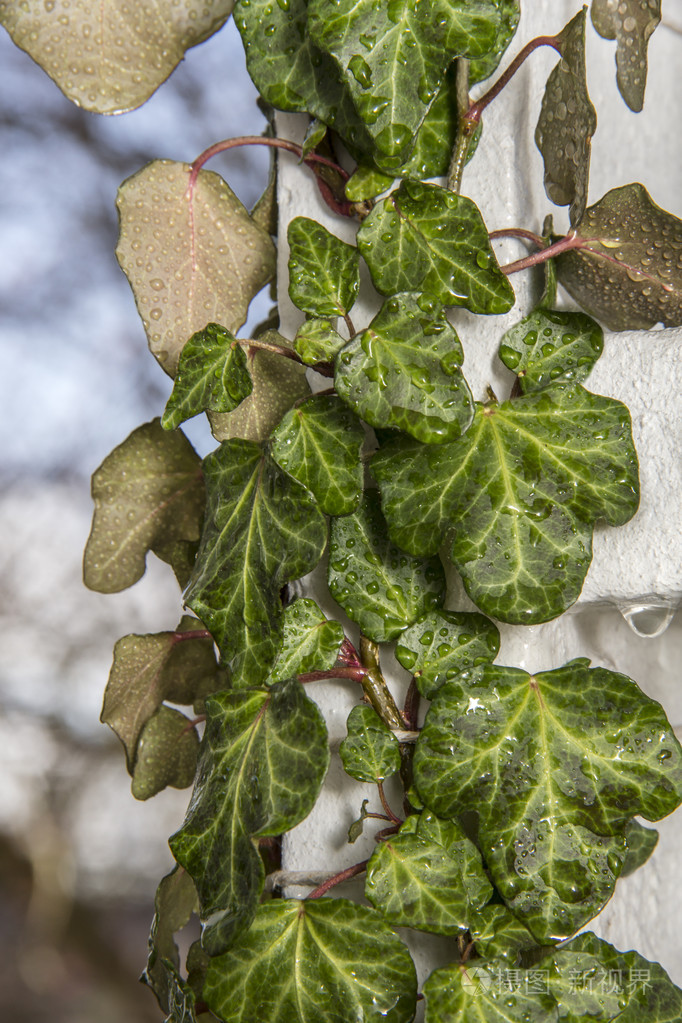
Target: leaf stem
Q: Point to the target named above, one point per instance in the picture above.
(384, 802)
(477, 108)
(331, 882)
(571, 241)
(465, 128)
(268, 346)
(349, 325)
(180, 637)
(374, 685)
(352, 673)
(518, 232)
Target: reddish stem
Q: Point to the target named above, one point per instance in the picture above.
(193, 723)
(411, 707)
(260, 140)
(477, 108)
(354, 674)
(563, 245)
(381, 836)
(180, 637)
(337, 879)
(384, 802)
(267, 346)
(518, 232)
(348, 655)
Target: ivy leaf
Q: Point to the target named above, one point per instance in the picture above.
(319, 444)
(265, 211)
(567, 123)
(630, 23)
(442, 643)
(370, 752)
(425, 238)
(191, 256)
(317, 341)
(499, 934)
(278, 382)
(174, 903)
(620, 274)
(430, 878)
(107, 57)
(483, 67)
(393, 57)
(212, 374)
(325, 960)
(555, 765)
(175, 666)
(471, 992)
(366, 182)
(377, 585)
(356, 828)
(181, 1000)
(263, 529)
(180, 555)
(166, 754)
(148, 492)
(310, 641)
(640, 843)
(324, 272)
(520, 492)
(264, 757)
(404, 371)
(549, 344)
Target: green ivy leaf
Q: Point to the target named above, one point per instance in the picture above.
(310, 641)
(429, 877)
(567, 123)
(520, 492)
(106, 57)
(317, 341)
(425, 238)
(640, 843)
(394, 56)
(370, 752)
(404, 371)
(166, 754)
(499, 934)
(549, 344)
(264, 757)
(181, 1000)
(319, 961)
(148, 492)
(174, 903)
(619, 274)
(442, 643)
(366, 182)
(212, 374)
(180, 555)
(314, 136)
(263, 529)
(324, 272)
(631, 24)
(377, 585)
(555, 765)
(319, 444)
(471, 992)
(483, 67)
(356, 828)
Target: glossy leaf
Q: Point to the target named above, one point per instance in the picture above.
(442, 643)
(640, 843)
(551, 344)
(264, 757)
(378, 586)
(356, 828)
(320, 961)
(166, 754)
(483, 67)
(106, 56)
(370, 752)
(148, 492)
(497, 933)
(319, 444)
(317, 341)
(404, 371)
(472, 992)
(192, 257)
(567, 123)
(429, 877)
(181, 1000)
(555, 765)
(425, 238)
(180, 555)
(263, 529)
(323, 271)
(393, 56)
(366, 182)
(265, 212)
(310, 641)
(628, 273)
(212, 374)
(520, 492)
(630, 23)
(174, 903)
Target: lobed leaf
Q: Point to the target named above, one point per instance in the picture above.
(192, 256)
(174, 903)
(370, 752)
(640, 843)
(549, 344)
(148, 493)
(630, 23)
(317, 341)
(323, 271)
(181, 1000)
(472, 992)
(483, 67)
(264, 757)
(166, 754)
(310, 641)
(442, 643)
(499, 934)
(366, 182)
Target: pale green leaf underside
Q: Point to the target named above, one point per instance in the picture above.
(212, 374)
(323, 271)
(317, 341)
(549, 344)
(370, 752)
(483, 67)
(630, 23)
(166, 754)
(640, 844)
(174, 903)
(442, 643)
(310, 642)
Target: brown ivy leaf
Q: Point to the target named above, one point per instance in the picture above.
(628, 274)
(567, 123)
(630, 23)
(191, 257)
(166, 754)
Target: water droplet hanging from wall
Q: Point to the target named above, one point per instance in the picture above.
(648, 620)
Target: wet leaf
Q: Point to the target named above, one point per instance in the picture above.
(550, 344)
(106, 56)
(499, 934)
(319, 444)
(630, 23)
(180, 555)
(370, 752)
(483, 67)
(471, 992)
(317, 341)
(404, 371)
(325, 960)
(640, 843)
(191, 257)
(264, 757)
(443, 643)
(181, 1000)
(323, 271)
(429, 876)
(366, 182)
(555, 765)
(628, 274)
(314, 136)
(567, 123)
(378, 586)
(174, 903)
(393, 56)
(425, 238)
(166, 754)
(265, 212)
(263, 529)
(356, 828)
(310, 641)
(148, 492)
(518, 494)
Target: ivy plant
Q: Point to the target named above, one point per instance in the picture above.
(359, 447)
